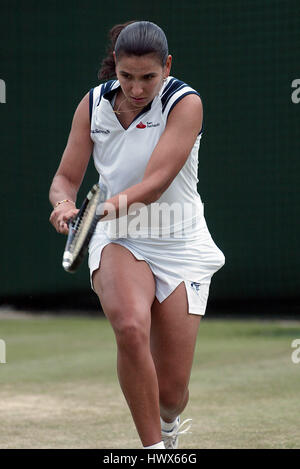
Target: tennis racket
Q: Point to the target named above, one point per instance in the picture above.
(82, 227)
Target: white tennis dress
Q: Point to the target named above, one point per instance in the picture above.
(171, 234)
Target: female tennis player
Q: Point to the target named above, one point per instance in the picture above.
(152, 257)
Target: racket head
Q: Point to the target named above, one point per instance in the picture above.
(82, 227)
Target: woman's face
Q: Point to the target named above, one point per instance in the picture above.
(141, 77)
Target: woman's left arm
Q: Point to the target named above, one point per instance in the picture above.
(169, 156)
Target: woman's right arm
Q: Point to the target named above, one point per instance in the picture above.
(72, 168)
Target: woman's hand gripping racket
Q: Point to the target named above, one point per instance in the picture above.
(82, 227)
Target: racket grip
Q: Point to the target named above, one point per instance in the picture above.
(67, 260)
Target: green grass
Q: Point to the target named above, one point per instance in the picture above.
(59, 387)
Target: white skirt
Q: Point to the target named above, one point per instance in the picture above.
(192, 259)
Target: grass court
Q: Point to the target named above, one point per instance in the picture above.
(59, 387)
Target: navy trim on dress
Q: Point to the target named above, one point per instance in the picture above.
(168, 87)
(106, 88)
(174, 86)
(180, 98)
(143, 111)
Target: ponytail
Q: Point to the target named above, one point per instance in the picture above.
(108, 69)
(133, 38)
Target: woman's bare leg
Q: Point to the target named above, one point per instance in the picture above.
(126, 289)
(173, 338)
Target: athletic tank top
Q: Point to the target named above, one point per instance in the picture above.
(121, 156)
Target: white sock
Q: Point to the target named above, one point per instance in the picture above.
(159, 445)
(168, 426)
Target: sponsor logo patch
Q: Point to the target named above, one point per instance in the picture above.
(195, 286)
(100, 131)
(149, 124)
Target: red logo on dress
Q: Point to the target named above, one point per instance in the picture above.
(141, 126)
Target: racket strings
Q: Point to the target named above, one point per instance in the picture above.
(81, 229)
(84, 225)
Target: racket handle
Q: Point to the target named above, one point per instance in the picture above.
(67, 260)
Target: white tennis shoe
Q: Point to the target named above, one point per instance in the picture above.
(170, 438)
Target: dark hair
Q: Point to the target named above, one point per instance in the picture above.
(134, 38)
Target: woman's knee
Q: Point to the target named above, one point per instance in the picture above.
(173, 394)
(131, 326)
(131, 336)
